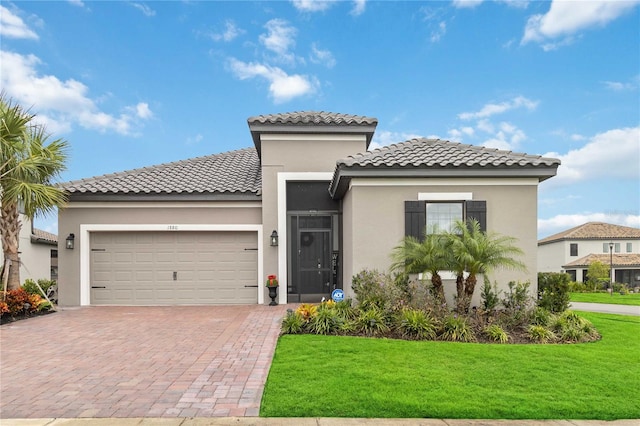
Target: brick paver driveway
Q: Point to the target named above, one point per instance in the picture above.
(138, 362)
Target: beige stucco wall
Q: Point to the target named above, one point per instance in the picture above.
(76, 214)
(376, 209)
(304, 154)
(35, 258)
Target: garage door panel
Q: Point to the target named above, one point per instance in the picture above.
(137, 268)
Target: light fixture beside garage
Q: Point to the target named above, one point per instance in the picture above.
(274, 238)
(71, 241)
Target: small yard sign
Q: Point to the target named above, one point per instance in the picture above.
(337, 295)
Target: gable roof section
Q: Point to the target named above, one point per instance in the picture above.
(423, 157)
(230, 175)
(310, 122)
(38, 236)
(593, 231)
(626, 260)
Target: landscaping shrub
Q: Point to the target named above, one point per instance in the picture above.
(293, 323)
(345, 309)
(517, 304)
(571, 327)
(307, 310)
(553, 290)
(372, 322)
(326, 320)
(414, 323)
(496, 333)
(456, 328)
(577, 287)
(30, 286)
(16, 300)
(490, 297)
(542, 317)
(541, 334)
(378, 290)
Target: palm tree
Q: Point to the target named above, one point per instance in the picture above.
(28, 166)
(478, 252)
(415, 257)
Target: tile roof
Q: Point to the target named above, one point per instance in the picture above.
(39, 235)
(421, 152)
(313, 118)
(593, 231)
(230, 173)
(310, 122)
(440, 158)
(630, 259)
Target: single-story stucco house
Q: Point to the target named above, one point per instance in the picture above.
(307, 203)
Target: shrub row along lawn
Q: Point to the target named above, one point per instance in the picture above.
(340, 376)
(615, 299)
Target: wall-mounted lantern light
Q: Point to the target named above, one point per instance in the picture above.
(71, 241)
(274, 238)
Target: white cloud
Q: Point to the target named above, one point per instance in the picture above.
(320, 56)
(58, 103)
(563, 222)
(282, 87)
(518, 4)
(457, 135)
(231, 31)
(618, 86)
(612, 154)
(466, 4)
(312, 5)
(438, 32)
(146, 10)
(493, 109)
(566, 18)
(280, 38)
(507, 137)
(12, 26)
(78, 3)
(383, 138)
(194, 140)
(359, 7)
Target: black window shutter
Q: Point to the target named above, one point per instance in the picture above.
(477, 210)
(415, 219)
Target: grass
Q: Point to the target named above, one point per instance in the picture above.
(615, 299)
(334, 376)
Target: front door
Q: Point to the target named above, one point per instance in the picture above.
(311, 258)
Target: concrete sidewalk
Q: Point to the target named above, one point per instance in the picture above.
(259, 421)
(606, 308)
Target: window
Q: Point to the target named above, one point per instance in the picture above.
(629, 247)
(572, 274)
(616, 248)
(442, 216)
(573, 249)
(605, 247)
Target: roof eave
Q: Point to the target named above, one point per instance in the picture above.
(102, 196)
(343, 174)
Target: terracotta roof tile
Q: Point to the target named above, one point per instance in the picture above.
(234, 172)
(630, 259)
(593, 231)
(39, 234)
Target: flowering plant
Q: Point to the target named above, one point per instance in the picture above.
(272, 281)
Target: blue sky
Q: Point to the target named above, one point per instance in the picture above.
(133, 84)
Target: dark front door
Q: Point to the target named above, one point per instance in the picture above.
(311, 258)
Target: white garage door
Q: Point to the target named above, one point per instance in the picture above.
(174, 268)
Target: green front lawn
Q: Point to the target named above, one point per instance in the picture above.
(331, 376)
(615, 299)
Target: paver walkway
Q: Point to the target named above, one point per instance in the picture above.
(179, 361)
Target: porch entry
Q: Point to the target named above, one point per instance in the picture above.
(313, 242)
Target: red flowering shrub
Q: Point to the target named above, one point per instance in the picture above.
(15, 300)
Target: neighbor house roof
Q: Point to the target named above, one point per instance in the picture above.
(422, 157)
(594, 231)
(310, 122)
(625, 260)
(230, 175)
(44, 237)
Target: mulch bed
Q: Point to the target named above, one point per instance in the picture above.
(8, 319)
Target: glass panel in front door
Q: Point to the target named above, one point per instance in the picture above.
(314, 261)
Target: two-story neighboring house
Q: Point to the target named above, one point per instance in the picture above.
(573, 250)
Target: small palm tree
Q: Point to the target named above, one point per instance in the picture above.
(478, 252)
(416, 257)
(28, 166)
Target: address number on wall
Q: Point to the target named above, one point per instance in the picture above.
(172, 227)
